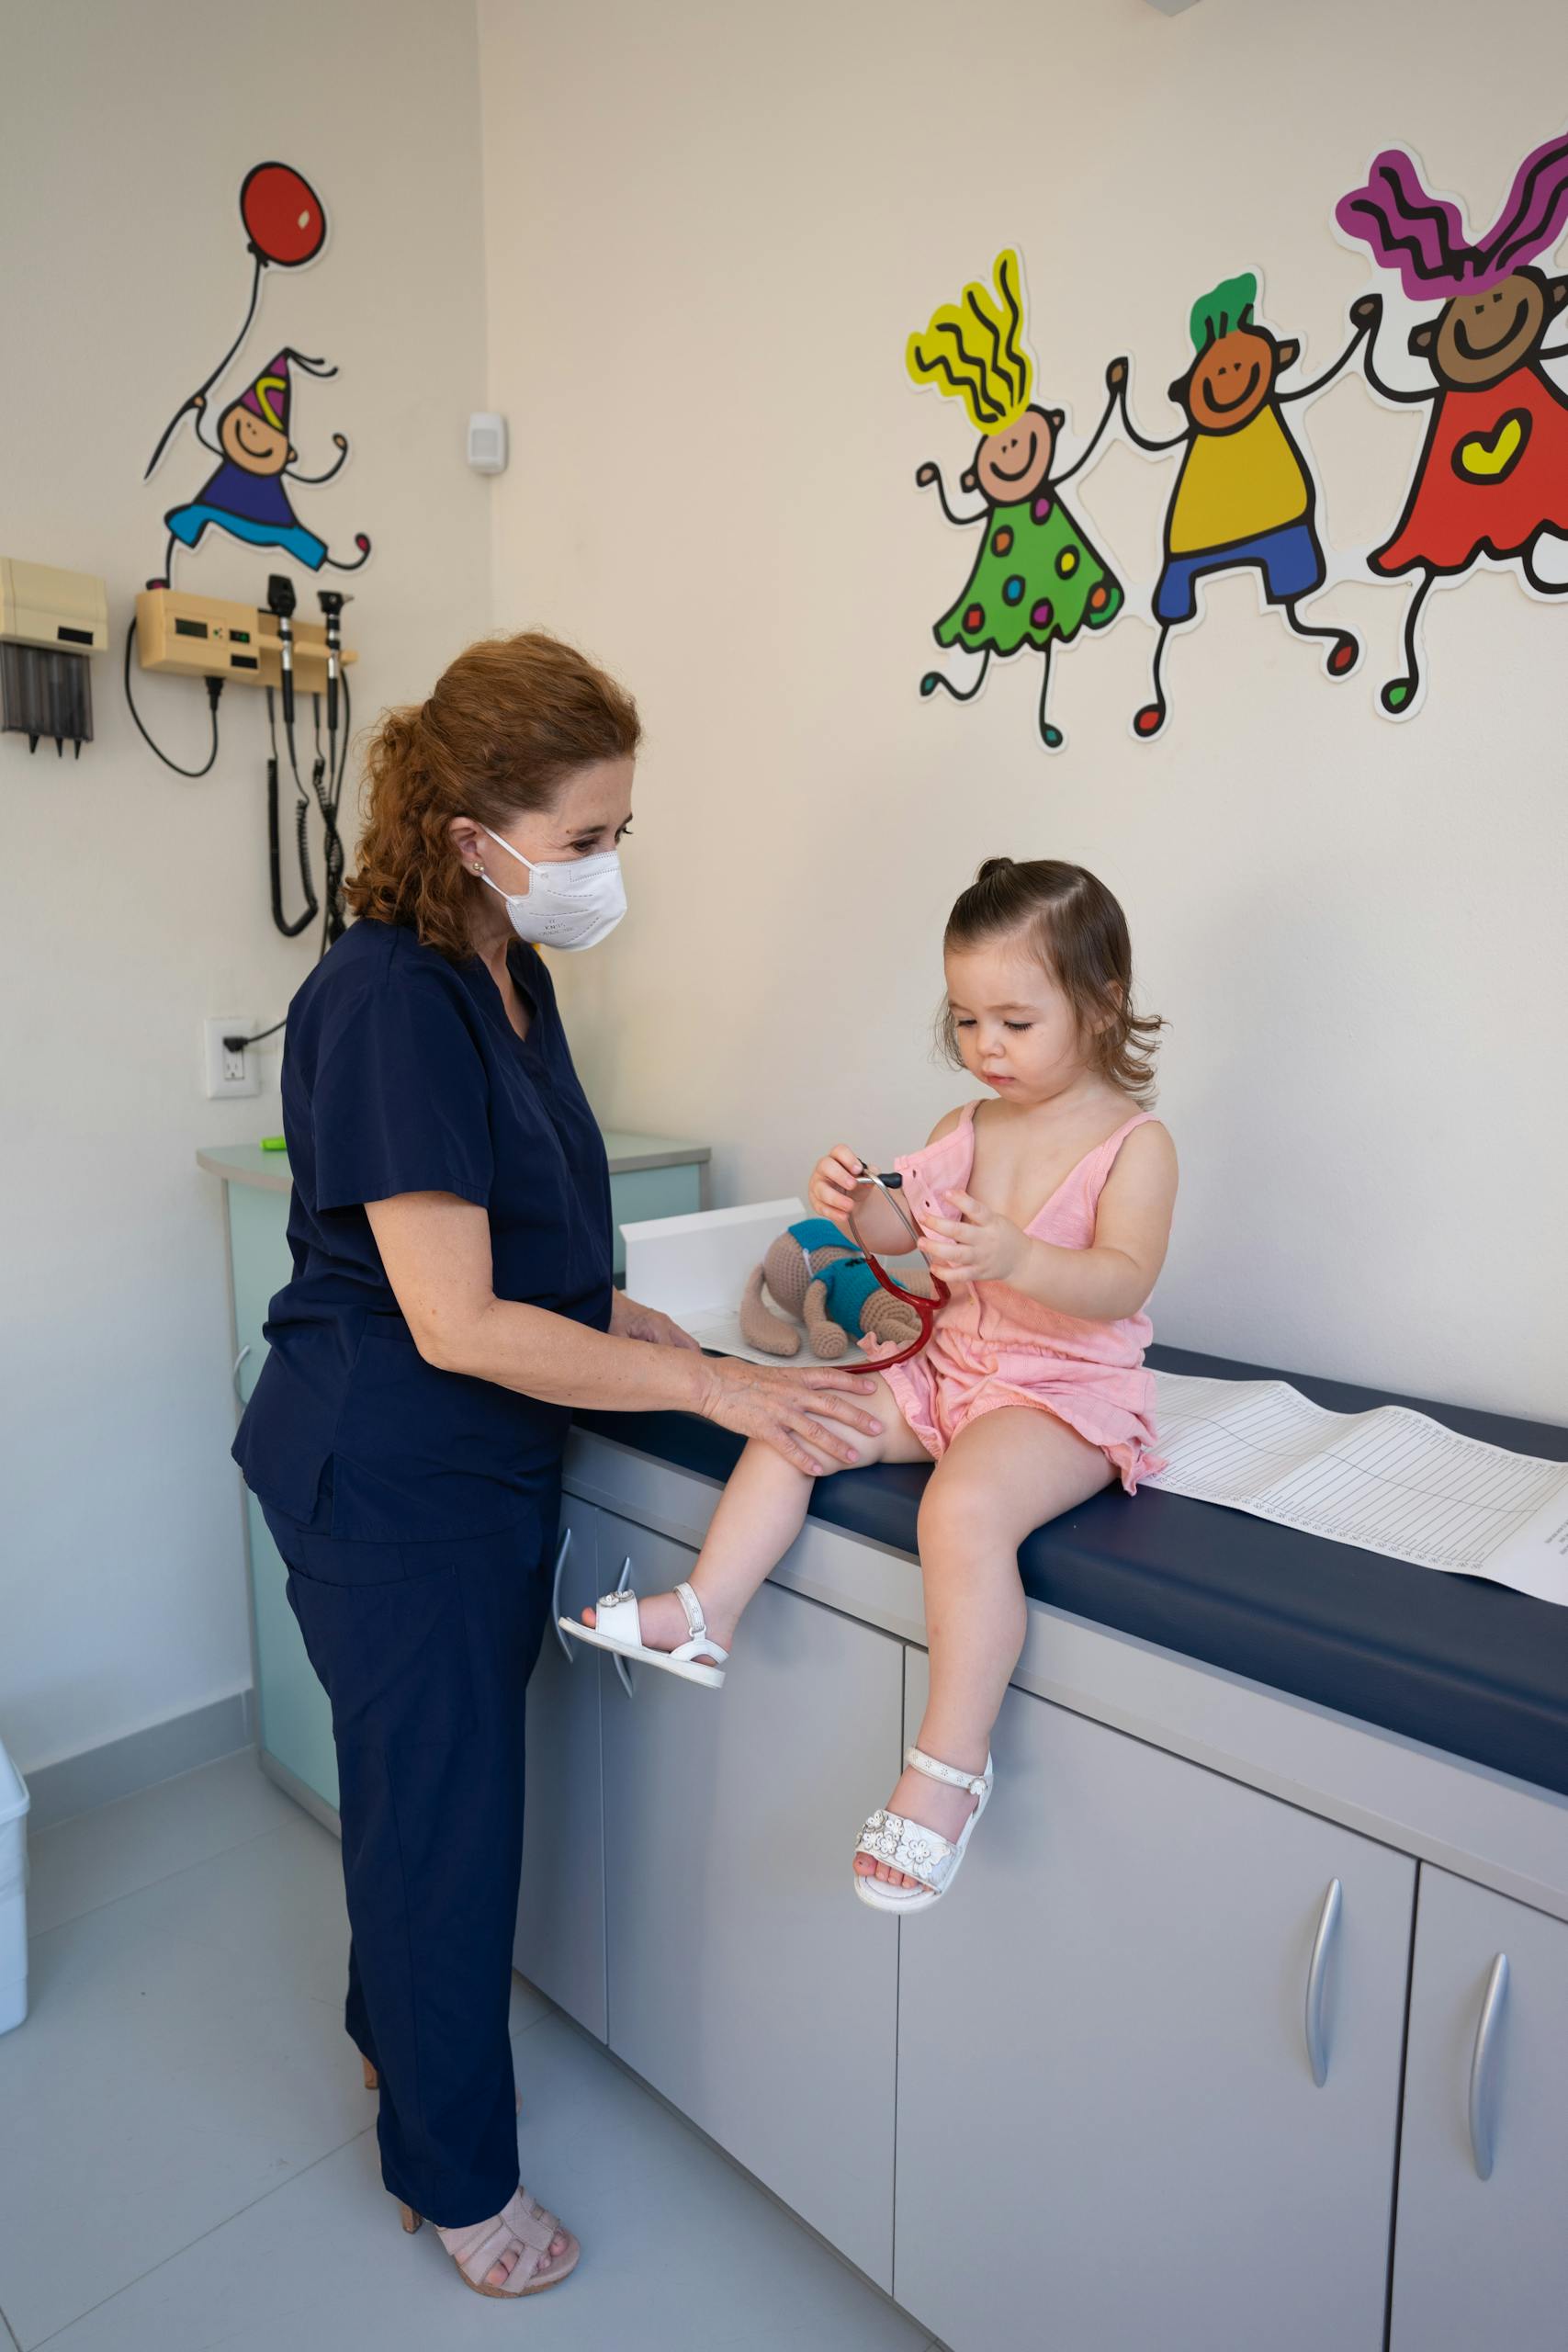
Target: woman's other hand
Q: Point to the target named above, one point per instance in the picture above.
(629, 1319)
(794, 1412)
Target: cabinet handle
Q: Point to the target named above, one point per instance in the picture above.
(239, 1360)
(1482, 2068)
(1318, 1980)
(621, 1668)
(568, 1649)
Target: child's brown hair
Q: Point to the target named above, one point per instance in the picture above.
(1072, 924)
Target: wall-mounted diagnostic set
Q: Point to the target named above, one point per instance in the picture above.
(50, 623)
(205, 637)
(202, 636)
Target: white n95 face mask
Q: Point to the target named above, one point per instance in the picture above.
(569, 902)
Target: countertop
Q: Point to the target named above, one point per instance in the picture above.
(247, 1163)
(1469, 1667)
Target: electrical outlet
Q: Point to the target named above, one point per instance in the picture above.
(230, 1071)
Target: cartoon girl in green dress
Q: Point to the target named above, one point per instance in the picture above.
(1036, 579)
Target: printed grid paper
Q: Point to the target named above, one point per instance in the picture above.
(1388, 1481)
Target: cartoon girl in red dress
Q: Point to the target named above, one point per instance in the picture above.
(1492, 478)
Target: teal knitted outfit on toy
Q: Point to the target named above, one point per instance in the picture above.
(849, 1281)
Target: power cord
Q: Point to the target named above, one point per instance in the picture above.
(301, 810)
(214, 688)
(336, 857)
(238, 1045)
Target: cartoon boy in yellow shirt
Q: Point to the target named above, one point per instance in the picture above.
(1245, 496)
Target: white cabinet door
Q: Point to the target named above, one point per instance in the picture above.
(1484, 2262)
(560, 1945)
(1109, 2134)
(746, 1982)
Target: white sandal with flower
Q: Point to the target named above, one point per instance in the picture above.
(618, 1627)
(909, 1845)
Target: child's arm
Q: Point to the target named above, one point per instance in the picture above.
(1116, 383)
(833, 1194)
(928, 477)
(1109, 1278)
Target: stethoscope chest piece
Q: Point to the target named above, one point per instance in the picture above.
(926, 1309)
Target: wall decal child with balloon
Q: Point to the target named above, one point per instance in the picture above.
(286, 228)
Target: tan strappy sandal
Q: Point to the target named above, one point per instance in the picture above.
(525, 2226)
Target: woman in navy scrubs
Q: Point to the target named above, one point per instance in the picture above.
(451, 1302)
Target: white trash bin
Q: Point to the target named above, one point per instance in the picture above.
(14, 1802)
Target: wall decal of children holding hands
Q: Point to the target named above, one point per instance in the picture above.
(1490, 481)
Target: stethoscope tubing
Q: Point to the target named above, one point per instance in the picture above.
(926, 1309)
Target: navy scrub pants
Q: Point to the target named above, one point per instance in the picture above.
(425, 1650)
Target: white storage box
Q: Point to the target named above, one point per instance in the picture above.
(14, 1802)
(694, 1267)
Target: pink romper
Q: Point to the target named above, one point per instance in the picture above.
(992, 1346)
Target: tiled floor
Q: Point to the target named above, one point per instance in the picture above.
(188, 2160)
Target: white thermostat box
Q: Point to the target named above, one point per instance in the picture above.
(487, 443)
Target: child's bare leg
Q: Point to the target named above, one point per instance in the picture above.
(1003, 1476)
(760, 1513)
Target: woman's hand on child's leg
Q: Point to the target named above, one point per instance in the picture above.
(758, 1517)
(1004, 1475)
(815, 1418)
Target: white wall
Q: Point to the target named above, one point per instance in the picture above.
(135, 904)
(710, 229)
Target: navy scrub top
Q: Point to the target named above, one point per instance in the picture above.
(401, 1073)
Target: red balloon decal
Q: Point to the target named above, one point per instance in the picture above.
(283, 216)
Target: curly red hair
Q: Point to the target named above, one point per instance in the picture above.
(507, 722)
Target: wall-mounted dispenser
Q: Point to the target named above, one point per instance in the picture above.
(50, 622)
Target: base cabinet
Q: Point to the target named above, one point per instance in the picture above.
(294, 1716)
(745, 1982)
(560, 1944)
(1110, 2136)
(1484, 2261)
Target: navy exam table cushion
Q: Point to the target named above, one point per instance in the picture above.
(1469, 1667)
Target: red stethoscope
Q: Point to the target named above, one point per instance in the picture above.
(926, 1309)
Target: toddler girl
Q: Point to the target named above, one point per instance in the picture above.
(1048, 1220)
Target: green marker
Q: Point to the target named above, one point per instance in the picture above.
(274, 1143)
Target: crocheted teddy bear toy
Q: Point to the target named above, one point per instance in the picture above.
(820, 1279)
